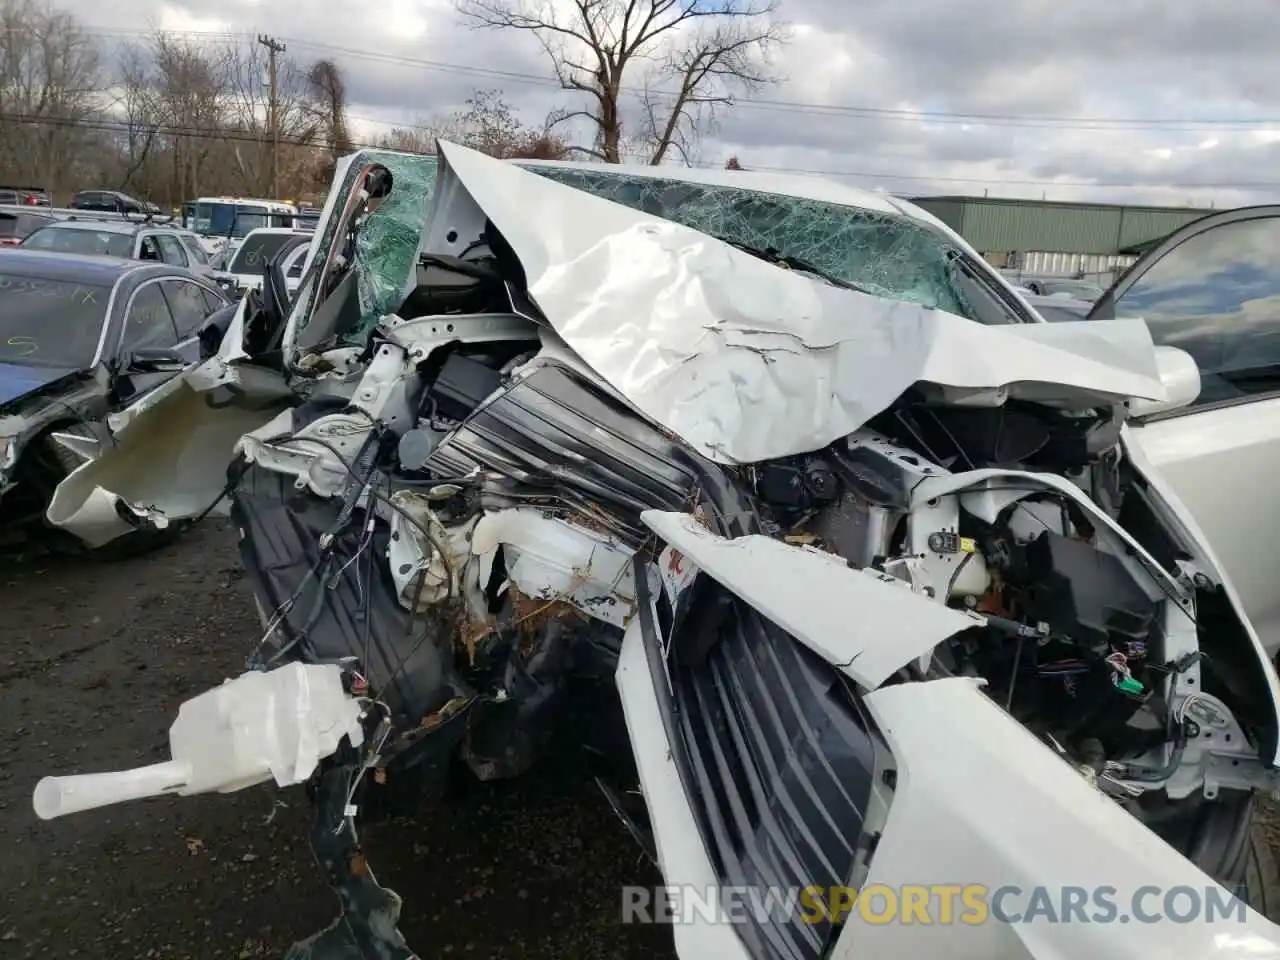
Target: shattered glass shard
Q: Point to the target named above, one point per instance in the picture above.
(387, 247)
(885, 254)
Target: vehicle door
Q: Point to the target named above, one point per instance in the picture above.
(171, 250)
(1213, 289)
(190, 305)
(148, 327)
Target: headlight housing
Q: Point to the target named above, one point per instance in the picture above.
(8, 454)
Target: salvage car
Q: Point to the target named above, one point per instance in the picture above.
(769, 489)
(1076, 288)
(259, 247)
(16, 224)
(81, 337)
(1058, 307)
(137, 239)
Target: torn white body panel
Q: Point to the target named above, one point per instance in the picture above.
(174, 427)
(744, 360)
(818, 598)
(966, 811)
(682, 857)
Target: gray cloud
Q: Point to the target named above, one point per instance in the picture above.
(1091, 58)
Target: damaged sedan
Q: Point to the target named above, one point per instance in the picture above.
(84, 337)
(771, 491)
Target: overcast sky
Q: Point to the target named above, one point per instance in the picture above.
(1150, 99)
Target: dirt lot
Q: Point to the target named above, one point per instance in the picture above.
(96, 659)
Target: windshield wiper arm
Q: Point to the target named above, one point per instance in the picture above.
(795, 263)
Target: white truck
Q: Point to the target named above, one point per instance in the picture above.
(223, 222)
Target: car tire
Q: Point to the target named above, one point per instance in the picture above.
(1216, 835)
(41, 467)
(1262, 875)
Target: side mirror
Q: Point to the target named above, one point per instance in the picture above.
(1181, 378)
(156, 360)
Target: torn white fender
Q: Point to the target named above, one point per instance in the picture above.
(868, 623)
(169, 462)
(979, 800)
(550, 559)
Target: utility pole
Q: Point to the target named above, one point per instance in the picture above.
(274, 47)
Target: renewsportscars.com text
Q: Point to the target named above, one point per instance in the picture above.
(944, 904)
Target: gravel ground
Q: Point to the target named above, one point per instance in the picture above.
(97, 658)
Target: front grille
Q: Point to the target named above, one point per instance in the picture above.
(778, 763)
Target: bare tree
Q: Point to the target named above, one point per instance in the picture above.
(49, 81)
(413, 138)
(186, 82)
(699, 55)
(142, 118)
(490, 124)
(328, 92)
(248, 96)
(487, 123)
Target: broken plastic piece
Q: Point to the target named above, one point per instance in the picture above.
(260, 725)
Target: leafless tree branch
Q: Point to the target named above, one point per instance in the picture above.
(704, 54)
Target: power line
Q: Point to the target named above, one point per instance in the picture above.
(933, 117)
(249, 136)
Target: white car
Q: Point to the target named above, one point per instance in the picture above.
(774, 493)
(245, 264)
(1057, 307)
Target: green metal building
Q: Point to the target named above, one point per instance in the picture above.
(1055, 237)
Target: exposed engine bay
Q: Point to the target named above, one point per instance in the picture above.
(504, 487)
(453, 516)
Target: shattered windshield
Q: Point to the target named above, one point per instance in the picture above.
(387, 244)
(888, 255)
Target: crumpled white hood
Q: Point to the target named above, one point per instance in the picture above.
(742, 359)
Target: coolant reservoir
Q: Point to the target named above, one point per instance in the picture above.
(972, 578)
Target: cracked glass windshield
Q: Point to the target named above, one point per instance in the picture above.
(884, 254)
